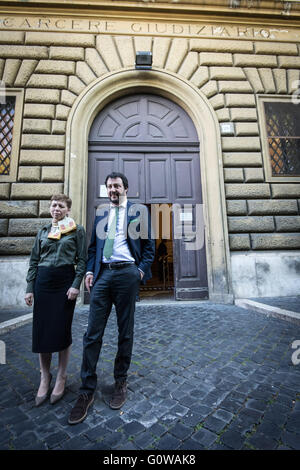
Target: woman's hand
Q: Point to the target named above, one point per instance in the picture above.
(72, 293)
(29, 299)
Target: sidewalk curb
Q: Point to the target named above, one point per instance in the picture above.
(9, 325)
(269, 310)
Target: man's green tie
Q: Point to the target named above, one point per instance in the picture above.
(109, 242)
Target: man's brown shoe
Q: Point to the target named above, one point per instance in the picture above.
(119, 396)
(80, 409)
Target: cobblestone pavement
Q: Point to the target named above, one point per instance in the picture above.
(203, 376)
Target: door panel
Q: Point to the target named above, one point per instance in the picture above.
(188, 264)
(186, 179)
(189, 247)
(133, 166)
(143, 118)
(158, 178)
(190, 277)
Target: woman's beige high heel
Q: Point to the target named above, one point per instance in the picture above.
(54, 398)
(40, 400)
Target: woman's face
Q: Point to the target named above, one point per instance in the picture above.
(58, 210)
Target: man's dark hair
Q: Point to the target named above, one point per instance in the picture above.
(114, 174)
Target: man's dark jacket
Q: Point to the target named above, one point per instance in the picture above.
(142, 248)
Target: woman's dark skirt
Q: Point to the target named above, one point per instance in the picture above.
(52, 311)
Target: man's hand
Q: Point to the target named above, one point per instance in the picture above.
(142, 274)
(29, 299)
(72, 293)
(89, 282)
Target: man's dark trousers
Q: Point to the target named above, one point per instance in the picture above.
(118, 287)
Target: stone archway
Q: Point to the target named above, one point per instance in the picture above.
(116, 84)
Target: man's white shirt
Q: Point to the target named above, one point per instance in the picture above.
(120, 249)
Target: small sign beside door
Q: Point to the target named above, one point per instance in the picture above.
(102, 191)
(186, 216)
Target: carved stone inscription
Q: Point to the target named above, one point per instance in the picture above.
(111, 26)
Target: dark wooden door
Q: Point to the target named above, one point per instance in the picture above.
(154, 142)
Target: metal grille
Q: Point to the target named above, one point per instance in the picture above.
(283, 130)
(7, 114)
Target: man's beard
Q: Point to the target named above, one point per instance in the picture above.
(116, 200)
(119, 198)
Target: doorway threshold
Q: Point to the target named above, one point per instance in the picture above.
(167, 297)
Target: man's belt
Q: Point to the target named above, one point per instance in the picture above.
(117, 265)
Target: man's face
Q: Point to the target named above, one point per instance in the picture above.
(116, 191)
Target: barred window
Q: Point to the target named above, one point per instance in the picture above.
(7, 114)
(283, 131)
(279, 119)
(11, 104)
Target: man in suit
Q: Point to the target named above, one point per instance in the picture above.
(120, 255)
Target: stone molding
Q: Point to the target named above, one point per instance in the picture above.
(243, 8)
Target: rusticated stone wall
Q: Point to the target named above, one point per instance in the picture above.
(54, 68)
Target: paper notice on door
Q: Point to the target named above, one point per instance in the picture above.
(102, 191)
(186, 217)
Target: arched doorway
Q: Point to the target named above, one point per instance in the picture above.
(170, 85)
(154, 142)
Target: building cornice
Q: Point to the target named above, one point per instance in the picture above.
(246, 9)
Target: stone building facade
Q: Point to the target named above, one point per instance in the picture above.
(219, 61)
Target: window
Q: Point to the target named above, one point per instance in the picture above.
(280, 130)
(11, 102)
(7, 114)
(283, 131)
